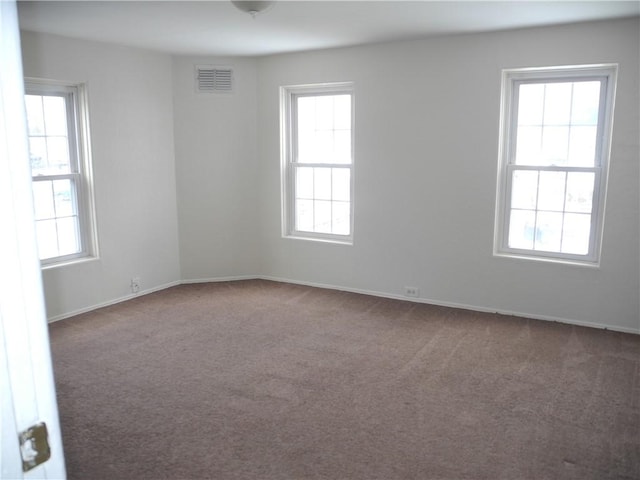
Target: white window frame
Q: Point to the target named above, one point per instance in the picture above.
(81, 174)
(511, 80)
(289, 148)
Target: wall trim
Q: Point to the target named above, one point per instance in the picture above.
(374, 293)
(124, 298)
(221, 279)
(455, 305)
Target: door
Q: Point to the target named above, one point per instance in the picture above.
(29, 409)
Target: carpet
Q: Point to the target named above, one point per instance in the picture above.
(266, 380)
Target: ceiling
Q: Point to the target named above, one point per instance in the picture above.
(216, 27)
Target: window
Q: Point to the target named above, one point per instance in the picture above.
(556, 129)
(317, 146)
(60, 169)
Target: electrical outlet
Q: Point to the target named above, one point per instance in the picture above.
(135, 284)
(411, 291)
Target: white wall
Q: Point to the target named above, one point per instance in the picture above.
(426, 146)
(426, 158)
(217, 174)
(130, 107)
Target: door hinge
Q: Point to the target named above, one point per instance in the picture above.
(34, 446)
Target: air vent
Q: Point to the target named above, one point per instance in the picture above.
(211, 79)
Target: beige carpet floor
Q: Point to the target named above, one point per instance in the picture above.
(266, 380)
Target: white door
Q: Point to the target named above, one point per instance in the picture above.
(26, 378)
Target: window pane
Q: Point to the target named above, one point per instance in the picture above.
(43, 200)
(306, 129)
(322, 183)
(531, 101)
(551, 191)
(529, 146)
(342, 146)
(323, 146)
(35, 116)
(304, 215)
(64, 195)
(555, 145)
(58, 150)
(576, 233)
(38, 155)
(582, 146)
(579, 192)
(322, 216)
(68, 241)
(324, 112)
(548, 231)
(521, 229)
(341, 221)
(55, 115)
(524, 189)
(586, 103)
(557, 103)
(47, 238)
(304, 182)
(341, 184)
(306, 152)
(342, 112)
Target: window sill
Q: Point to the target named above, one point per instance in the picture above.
(541, 259)
(68, 263)
(335, 241)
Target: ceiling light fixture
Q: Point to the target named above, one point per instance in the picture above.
(253, 8)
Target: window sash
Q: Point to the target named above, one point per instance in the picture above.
(295, 133)
(515, 101)
(74, 214)
(593, 214)
(69, 94)
(331, 199)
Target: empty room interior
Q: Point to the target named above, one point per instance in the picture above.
(346, 240)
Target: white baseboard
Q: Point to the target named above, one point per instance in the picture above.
(112, 302)
(219, 279)
(456, 305)
(352, 290)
